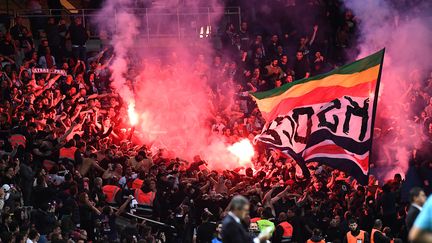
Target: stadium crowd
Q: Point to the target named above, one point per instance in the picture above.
(68, 172)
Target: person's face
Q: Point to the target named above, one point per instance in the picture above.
(302, 41)
(284, 59)
(219, 229)
(72, 91)
(83, 92)
(420, 199)
(80, 78)
(244, 26)
(253, 227)
(243, 213)
(78, 21)
(353, 226)
(256, 72)
(129, 171)
(119, 168)
(152, 185)
(274, 38)
(299, 56)
(275, 63)
(317, 186)
(10, 172)
(65, 66)
(69, 78)
(278, 83)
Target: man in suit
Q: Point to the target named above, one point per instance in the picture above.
(233, 231)
(418, 198)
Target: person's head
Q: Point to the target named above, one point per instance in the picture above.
(33, 235)
(83, 92)
(274, 62)
(98, 182)
(118, 168)
(78, 20)
(51, 20)
(417, 196)
(69, 79)
(378, 224)
(282, 217)
(352, 224)
(148, 185)
(316, 232)
(141, 155)
(7, 218)
(219, 230)
(299, 55)
(239, 206)
(244, 26)
(274, 38)
(278, 83)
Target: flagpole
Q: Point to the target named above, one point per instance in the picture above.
(374, 108)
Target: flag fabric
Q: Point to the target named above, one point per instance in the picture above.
(327, 118)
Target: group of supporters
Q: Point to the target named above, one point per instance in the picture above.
(68, 170)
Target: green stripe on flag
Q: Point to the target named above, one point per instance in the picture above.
(354, 67)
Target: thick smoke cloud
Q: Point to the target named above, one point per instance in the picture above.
(406, 36)
(169, 88)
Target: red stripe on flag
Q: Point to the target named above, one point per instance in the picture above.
(318, 95)
(334, 149)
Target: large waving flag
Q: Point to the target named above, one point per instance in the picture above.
(328, 118)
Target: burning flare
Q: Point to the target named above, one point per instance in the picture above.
(133, 116)
(243, 150)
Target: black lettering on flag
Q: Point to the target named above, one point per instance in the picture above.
(290, 136)
(275, 138)
(298, 112)
(322, 116)
(356, 110)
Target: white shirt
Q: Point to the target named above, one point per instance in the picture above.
(417, 206)
(234, 217)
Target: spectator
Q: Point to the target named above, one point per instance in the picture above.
(301, 66)
(417, 198)
(421, 230)
(355, 234)
(79, 36)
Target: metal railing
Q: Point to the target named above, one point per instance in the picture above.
(153, 22)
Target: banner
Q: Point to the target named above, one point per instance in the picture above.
(52, 71)
(328, 118)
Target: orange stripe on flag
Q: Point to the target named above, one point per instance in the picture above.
(326, 94)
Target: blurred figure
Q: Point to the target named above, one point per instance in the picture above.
(233, 230)
(417, 198)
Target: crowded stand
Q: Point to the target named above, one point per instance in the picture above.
(71, 170)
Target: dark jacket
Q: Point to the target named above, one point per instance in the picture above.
(233, 232)
(411, 216)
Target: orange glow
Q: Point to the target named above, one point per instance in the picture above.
(243, 150)
(133, 116)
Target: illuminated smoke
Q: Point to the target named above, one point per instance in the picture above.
(169, 95)
(243, 150)
(133, 115)
(406, 35)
